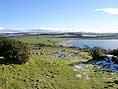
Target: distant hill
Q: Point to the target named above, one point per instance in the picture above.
(35, 32)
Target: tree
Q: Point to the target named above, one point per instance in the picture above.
(96, 52)
(14, 51)
(113, 52)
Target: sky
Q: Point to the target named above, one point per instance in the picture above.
(60, 15)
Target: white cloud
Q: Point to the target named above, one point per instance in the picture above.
(84, 28)
(2, 27)
(64, 29)
(113, 28)
(112, 11)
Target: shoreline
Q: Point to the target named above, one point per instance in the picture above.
(64, 41)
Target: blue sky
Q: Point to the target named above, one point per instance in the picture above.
(71, 15)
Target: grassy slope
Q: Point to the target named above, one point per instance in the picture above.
(43, 72)
(48, 72)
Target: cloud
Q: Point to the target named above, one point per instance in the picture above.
(2, 27)
(111, 28)
(63, 29)
(112, 11)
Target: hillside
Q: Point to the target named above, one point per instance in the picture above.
(45, 70)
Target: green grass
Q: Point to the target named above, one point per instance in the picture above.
(41, 39)
(46, 71)
(41, 72)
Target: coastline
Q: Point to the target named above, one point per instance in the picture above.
(64, 41)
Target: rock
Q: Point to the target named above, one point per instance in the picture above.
(79, 65)
(108, 62)
(87, 77)
(65, 54)
(79, 76)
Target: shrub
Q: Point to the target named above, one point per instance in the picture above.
(96, 52)
(116, 82)
(115, 59)
(14, 51)
(113, 52)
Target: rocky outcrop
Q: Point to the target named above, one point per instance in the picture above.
(109, 62)
(65, 54)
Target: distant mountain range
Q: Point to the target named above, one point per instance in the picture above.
(6, 30)
(55, 33)
(24, 30)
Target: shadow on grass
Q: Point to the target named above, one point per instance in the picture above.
(2, 61)
(6, 62)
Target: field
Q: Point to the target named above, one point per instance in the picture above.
(46, 71)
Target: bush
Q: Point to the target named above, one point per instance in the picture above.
(97, 52)
(113, 52)
(14, 51)
(115, 59)
(116, 82)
